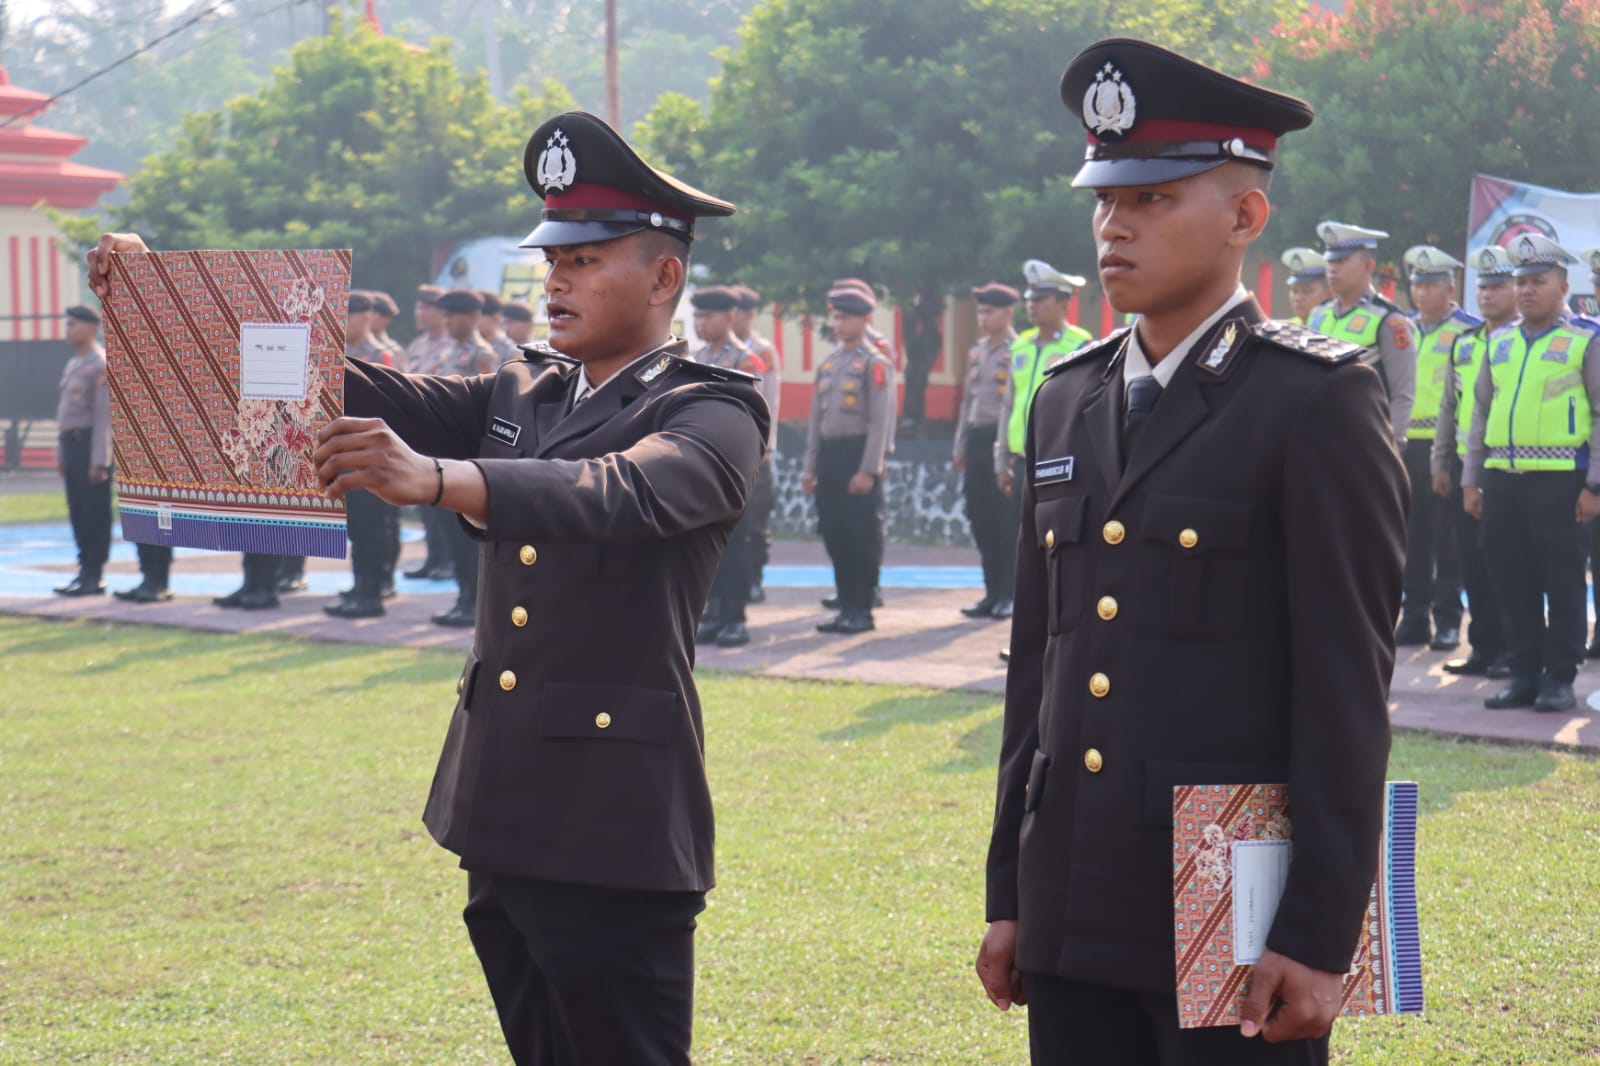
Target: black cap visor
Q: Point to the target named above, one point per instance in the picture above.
(561, 233)
(1120, 173)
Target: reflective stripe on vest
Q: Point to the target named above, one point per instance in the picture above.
(1029, 361)
(1539, 419)
(1433, 370)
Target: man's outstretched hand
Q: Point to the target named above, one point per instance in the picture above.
(1290, 1001)
(100, 258)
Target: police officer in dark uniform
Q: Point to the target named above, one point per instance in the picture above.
(1212, 540)
(601, 490)
(765, 499)
(466, 354)
(83, 450)
(977, 425)
(847, 444)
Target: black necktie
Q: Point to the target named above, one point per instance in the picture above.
(1143, 392)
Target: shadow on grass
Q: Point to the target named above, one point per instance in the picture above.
(875, 719)
(980, 749)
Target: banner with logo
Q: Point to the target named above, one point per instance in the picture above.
(1504, 210)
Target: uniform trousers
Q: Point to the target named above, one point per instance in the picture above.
(1594, 569)
(851, 525)
(1073, 1023)
(370, 561)
(988, 514)
(464, 553)
(261, 570)
(763, 501)
(155, 564)
(437, 526)
(585, 976)
(1486, 635)
(1537, 551)
(737, 571)
(1433, 558)
(88, 505)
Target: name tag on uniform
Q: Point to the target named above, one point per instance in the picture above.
(505, 432)
(1050, 471)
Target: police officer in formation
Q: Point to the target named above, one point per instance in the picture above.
(723, 622)
(1497, 306)
(765, 497)
(1358, 314)
(384, 311)
(425, 355)
(977, 431)
(1433, 558)
(490, 328)
(853, 412)
(83, 450)
(1590, 257)
(467, 354)
(1308, 281)
(1531, 475)
(516, 318)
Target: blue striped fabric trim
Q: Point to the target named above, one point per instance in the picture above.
(272, 536)
(1404, 964)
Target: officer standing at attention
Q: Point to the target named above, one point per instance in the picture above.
(977, 429)
(384, 310)
(1212, 541)
(1433, 558)
(1357, 314)
(847, 442)
(83, 450)
(1531, 476)
(601, 489)
(724, 620)
(489, 328)
(426, 350)
(765, 497)
(1308, 281)
(468, 354)
(516, 318)
(1591, 257)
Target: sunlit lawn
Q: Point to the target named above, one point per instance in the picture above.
(212, 854)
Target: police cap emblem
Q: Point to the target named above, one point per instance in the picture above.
(1424, 260)
(1487, 260)
(1109, 107)
(557, 166)
(1297, 263)
(1526, 248)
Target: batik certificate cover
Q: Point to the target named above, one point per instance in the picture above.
(1231, 849)
(223, 366)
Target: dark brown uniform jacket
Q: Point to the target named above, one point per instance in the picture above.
(576, 752)
(1236, 586)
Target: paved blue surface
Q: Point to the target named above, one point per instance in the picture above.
(31, 557)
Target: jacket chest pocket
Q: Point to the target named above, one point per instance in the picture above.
(1058, 527)
(1198, 567)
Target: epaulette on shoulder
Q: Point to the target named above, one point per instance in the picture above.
(1102, 348)
(1586, 322)
(540, 352)
(658, 368)
(1382, 301)
(1466, 318)
(1318, 347)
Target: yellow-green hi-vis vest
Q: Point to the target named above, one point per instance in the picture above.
(1029, 361)
(1539, 417)
(1434, 350)
(1468, 360)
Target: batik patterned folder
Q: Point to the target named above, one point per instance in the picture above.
(1213, 828)
(223, 366)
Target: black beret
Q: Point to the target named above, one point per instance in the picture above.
(714, 298)
(460, 300)
(595, 188)
(429, 294)
(749, 299)
(384, 304)
(491, 301)
(359, 301)
(851, 300)
(80, 313)
(516, 311)
(995, 294)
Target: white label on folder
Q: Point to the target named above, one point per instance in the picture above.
(164, 517)
(272, 360)
(1260, 869)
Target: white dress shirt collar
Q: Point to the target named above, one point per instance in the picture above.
(1137, 365)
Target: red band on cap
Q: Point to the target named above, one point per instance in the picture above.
(1172, 129)
(605, 198)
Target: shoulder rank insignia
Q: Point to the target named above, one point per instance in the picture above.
(540, 352)
(1106, 346)
(1292, 337)
(666, 364)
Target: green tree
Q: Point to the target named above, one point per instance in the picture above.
(359, 142)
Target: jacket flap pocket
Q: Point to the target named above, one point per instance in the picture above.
(469, 676)
(1036, 776)
(608, 712)
(1160, 778)
(1192, 524)
(1060, 521)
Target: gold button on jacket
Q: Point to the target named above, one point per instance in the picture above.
(1099, 686)
(1092, 760)
(508, 680)
(1188, 538)
(1114, 532)
(528, 554)
(1049, 538)
(1107, 608)
(602, 720)
(519, 616)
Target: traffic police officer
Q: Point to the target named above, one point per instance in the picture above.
(1591, 257)
(367, 517)
(83, 450)
(1357, 314)
(1308, 281)
(1433, 559)
(847, 443)
(1212, 542)
(724, 620)
(765, 498)
(1531, 458)
(977, 429)
(1497, 306)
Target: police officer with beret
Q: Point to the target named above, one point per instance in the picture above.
(847, 444)
(1308, 281)
(83, 450)
(977, 428)
(425, 353)
(724, 620)
(1193, 607)
(1497, 306)
(384, 311)
(766, 494)
(1530, 474)
(601, 489)
(516, 318)
(489, 328)
(1433, 557)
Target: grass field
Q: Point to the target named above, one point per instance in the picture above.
(16, 507)
(212, 854)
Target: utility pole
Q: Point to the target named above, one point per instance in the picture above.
(613, 75)
(491, 47)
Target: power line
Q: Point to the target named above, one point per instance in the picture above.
(108, 69)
